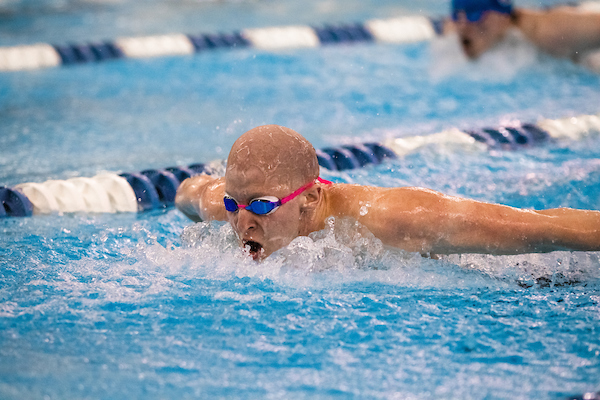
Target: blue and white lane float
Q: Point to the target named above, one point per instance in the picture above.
(155, 189)
(399, 30)
(43, 55)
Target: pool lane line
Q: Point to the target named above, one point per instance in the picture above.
(398, 30)
(394, 30)
(156, 188)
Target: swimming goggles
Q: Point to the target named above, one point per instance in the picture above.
(475, 9)
(266, 204)
(472, 16)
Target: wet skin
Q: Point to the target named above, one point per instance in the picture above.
(478, 37)
(560, 31)
(263, 234)
(275, 161)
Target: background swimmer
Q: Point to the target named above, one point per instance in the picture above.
(272, 162)
(562, 31)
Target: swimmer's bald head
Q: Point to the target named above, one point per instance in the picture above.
(281, 155)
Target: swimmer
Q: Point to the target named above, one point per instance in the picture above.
(563, 31)
(272, 193)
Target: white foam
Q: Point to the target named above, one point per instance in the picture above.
(242, 298)
(345, 252)
(592, 61)
(499, 64)
(340, 255)
(543, 269)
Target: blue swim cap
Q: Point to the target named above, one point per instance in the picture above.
(474, 9)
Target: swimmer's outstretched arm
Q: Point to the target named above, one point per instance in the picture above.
(200, 198)
(425, 221)
(561, 31)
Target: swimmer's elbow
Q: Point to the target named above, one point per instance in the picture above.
(187, 199)
(184, 204)
(193, 217)
(200, 198)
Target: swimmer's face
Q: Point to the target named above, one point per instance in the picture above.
(263, 234)
(478, 37)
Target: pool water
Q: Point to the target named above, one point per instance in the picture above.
(152, 306)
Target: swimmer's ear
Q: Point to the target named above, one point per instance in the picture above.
(312, 197)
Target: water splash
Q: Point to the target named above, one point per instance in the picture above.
(347, 252)
(499, 64)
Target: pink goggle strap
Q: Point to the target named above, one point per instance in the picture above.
(303, 188)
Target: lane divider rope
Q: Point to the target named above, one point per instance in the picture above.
(42, 55)
(156, 188)
(405, 29)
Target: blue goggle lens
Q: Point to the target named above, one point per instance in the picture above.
(259, 207)
(472, 16)
(230, 204)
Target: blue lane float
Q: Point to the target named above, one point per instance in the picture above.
(153, 189)
(343, 34)
(145, 192)
(510, 137)
(219, 41)
(182, 173)
(380, 151)
(14, 203)
(86, 53)
(165, 183)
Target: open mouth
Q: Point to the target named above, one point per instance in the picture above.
(255, 248)
(467, 45)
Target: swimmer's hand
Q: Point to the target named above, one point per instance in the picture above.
(200, 198)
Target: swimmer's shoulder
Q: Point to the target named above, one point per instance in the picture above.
(347, 199)
(368, 191)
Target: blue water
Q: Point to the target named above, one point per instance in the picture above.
(152, 306)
